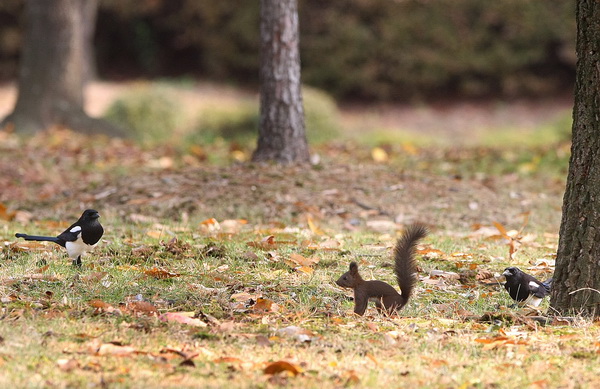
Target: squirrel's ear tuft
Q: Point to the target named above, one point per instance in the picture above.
(353, 267)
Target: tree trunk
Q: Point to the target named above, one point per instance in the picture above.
(54, 62)
(281, 133)
(576, 287)
(89, 11)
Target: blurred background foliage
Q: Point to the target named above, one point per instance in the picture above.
(403, 50)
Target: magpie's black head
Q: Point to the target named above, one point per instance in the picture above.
(90, 214)
(510, 272)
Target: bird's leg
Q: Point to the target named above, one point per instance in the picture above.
(77, 262)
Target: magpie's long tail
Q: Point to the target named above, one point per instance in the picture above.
(548, 284)
(40, 238)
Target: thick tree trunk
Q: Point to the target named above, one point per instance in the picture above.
(89, 11)
(576, 287)
(281, 134)
(54, 62)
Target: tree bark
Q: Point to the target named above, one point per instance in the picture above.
(576, 287)
(282, 135)
(54, 65)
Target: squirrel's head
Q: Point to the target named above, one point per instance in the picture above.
(350, 278)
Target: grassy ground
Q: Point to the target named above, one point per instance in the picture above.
(219, 275)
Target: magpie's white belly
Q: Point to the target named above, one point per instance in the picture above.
(533, 301)
(77, 248)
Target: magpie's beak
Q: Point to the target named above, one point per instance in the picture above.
(506, 273)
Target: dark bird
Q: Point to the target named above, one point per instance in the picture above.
(78, 239)
(523, 287)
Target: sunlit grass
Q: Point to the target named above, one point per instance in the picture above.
(431, 343)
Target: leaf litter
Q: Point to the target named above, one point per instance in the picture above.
(304, 235)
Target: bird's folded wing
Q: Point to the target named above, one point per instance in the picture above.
(71, 234)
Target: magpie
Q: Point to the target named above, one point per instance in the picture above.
(79, 238)
(523, 287)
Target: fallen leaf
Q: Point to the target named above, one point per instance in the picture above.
(244, 296)
(484, 275)
(183, 318)
(160, 273)
(431, 253)
(263, 305)
(142, 307)
(303, 261)
(95, 276)
(330, 244)
(98, 304)
(305, 269)
(28, 246)
(266, 243)
(499, 341)
(281, 366)
(5, 214)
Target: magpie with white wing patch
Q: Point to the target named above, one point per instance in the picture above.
(78, 239)
(523, 287)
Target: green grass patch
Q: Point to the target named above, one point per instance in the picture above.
(256, 308)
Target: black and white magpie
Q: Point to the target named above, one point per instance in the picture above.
(78, 239)
(523, 287)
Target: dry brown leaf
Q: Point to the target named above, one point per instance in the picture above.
(431, 253)
(95, 276)
(305, 269)
(314, 228)
(98, 304)
(42, 277)
(18, 247)
(330, 244)
(501, 229)
(263, 305)
(183, 318)
(160, 273)
(303, 261)
(142, 307)
(210, 225)
(244, 296)
(498, 341)
(5, 214)
(282, 366)
(484, 275)
(266, 243)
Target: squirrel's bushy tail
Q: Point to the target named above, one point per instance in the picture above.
(405, 265)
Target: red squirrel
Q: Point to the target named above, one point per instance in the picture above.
(383, 294)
